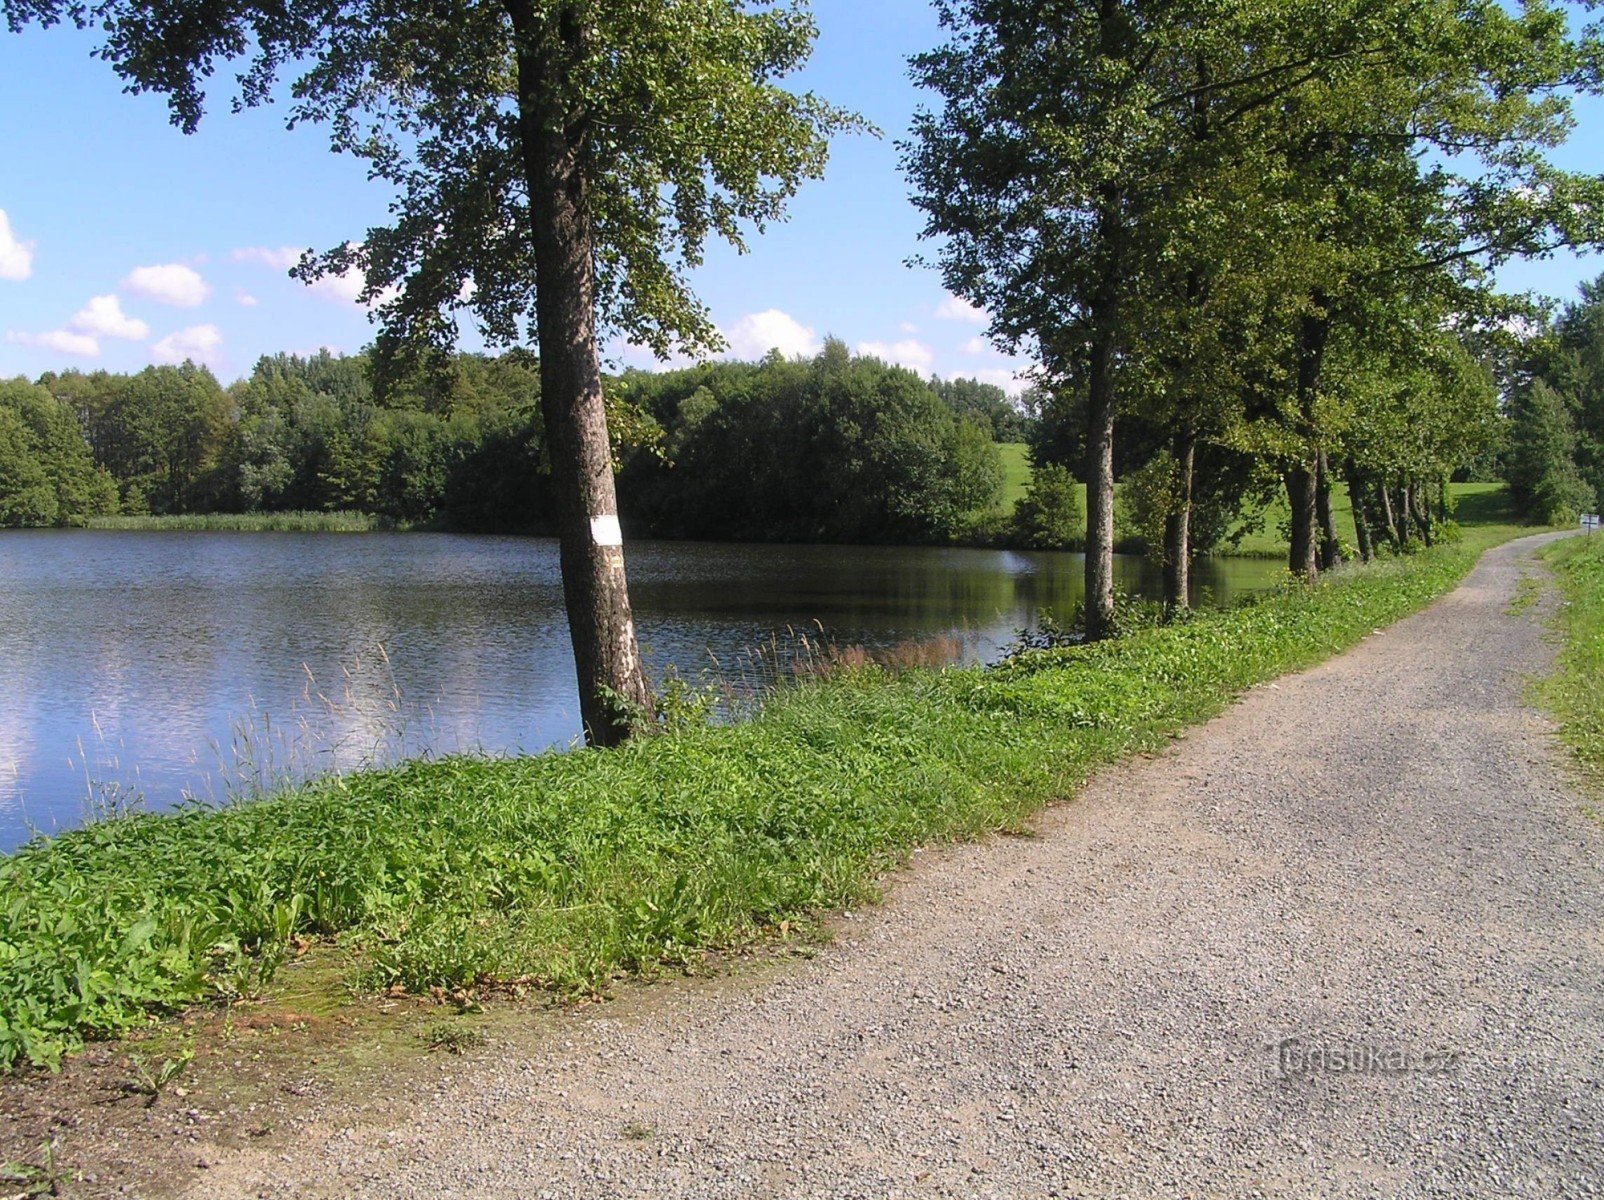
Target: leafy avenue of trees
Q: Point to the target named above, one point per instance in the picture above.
(1259, 230)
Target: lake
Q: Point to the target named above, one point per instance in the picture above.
(155, 665)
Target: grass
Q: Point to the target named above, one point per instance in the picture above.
(278, 522)
(1475, 504)
(1016, 474)
(567, 871)
(1575, 692)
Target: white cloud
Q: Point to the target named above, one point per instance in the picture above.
(281, 259)
(16, 257)
(198, 343)
(955, 309)
(908, 353)
(244, 299)
(755, 334)
(1012, 382)
(908, 327)
(103, 317)
(975, 345)
(172, 283)
(62, 341)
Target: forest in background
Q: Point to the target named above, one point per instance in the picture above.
(836, 448)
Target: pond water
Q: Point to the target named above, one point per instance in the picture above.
(155, 665)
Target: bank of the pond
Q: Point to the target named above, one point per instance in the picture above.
(1575, 692)
(566, 870)
(274, 522)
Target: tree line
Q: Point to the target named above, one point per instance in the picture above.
(1554, 460)
(839, 447)
(1252, 243)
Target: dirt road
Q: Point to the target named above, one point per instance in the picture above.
(1346, 940)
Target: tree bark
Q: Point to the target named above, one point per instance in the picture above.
(613, 694)
(1361, 516)
(1330, 547)
(1302, 557)
(1099, 604)
(1390, 522)
(1303, 480)
(1423, 514)
(1406, 516)
(1178, 531)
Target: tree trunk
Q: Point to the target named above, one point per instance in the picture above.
(1390, 522)
(1361, 518)
(1406, 515)
(1330, 547)
(1302, 557)
(1100, 492)
(1303, 480)
(613, 694)
(1178, 531)
(1423, 514)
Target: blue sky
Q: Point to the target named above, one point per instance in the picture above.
(125, 242)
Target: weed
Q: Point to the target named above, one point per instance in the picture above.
(152, 1083)
(34, 1179)
(450, 1037)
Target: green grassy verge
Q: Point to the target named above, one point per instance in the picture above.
(567, 870)
(1575, 692)
(279, 522)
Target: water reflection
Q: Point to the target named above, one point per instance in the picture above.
(158, 653)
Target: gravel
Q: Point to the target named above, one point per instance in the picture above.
(1384, 857)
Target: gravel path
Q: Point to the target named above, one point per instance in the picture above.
(1382, 857)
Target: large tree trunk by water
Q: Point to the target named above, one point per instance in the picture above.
(613, 694)
(1302, 554)
(1330, 547)
(1100, 493)
(1178, 531)
(1303, 480)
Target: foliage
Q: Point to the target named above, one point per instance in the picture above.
(566, 869)
(1050, 516)
(47, 476)
(1543, 476)
(839, 448)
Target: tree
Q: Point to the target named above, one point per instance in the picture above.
(1062, 168)
(1048, 516)
(558, 166)
(47, 476)
(1541, 464)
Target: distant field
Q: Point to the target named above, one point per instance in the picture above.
(1016, 473)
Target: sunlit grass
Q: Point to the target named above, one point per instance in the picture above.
(1576, 690)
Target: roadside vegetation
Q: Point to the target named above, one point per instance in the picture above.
(566, 871)
(1575, 692)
